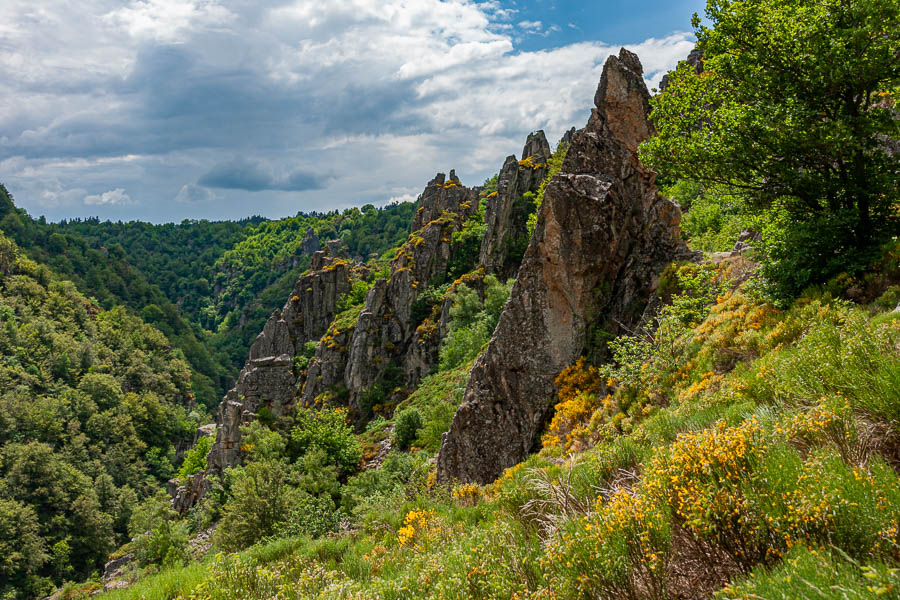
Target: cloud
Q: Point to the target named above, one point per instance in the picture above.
(158, 97)
(256, 175)
(191, 193)
(116, 197)
(168, 20)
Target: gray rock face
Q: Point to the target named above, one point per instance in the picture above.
(385, 328)
(506, 215)
(694, 58)
(268, 379)
(190, 493)
(603, 236)
(567, 137)
(310, 244)
(116, 567)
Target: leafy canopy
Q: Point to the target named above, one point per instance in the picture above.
(793, 101)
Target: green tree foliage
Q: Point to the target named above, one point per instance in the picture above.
(158, 537)
(260, 500)
(793, 106)
(91, 404)
(409, 422)
(714, 215)
(195, 458)
(102, 270)
(22, 549)
(472, 321)
(327, 430)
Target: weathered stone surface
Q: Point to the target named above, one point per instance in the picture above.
(385, 328)
(506, 216)
(313, 301)
(603, 236)
(441, 194)
(695, 58)
(190, 493)
(567, 137)
(310, 244)
(268, 379)
(326, 369)
(117, 567)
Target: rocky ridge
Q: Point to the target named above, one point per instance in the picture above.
(603, 205)
(603, 236)
(506, 216)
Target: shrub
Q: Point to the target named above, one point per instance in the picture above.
(158, 536)
(311, 515)
(327, 430)
(195, 458)
(815, 573)
(260, 501)
(409, 422)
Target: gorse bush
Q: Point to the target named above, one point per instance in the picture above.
(771, 462)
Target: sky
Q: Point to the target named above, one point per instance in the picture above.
(164, 110)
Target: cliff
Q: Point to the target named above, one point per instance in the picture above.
(603, 236)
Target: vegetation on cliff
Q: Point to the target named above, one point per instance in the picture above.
(741, 441)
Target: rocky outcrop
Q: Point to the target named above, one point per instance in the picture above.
(189, 494)
(602, 238)
(267, 379)
(385, 328)
(506, 216)
(567, 137)
(695, 59)
(310, 244)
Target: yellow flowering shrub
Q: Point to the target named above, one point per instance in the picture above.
(580, 393)
(613, 553)
(416, 528)
(467, 494)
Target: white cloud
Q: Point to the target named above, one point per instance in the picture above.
(150, 95)
(116, 197)
(191, 193)
(167, 20)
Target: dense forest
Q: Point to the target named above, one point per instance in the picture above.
(715, 269)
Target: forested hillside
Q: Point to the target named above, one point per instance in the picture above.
(656, 360)
(209, 286)
(107, 274)
(94, 402)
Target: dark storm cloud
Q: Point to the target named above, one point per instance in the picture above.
(255, 176)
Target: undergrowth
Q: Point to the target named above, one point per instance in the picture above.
(735, 451)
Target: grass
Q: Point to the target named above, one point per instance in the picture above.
(167, 584)
(763, 475)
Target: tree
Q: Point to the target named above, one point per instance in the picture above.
(793, 103)
(22, 551)
(327, 430)
(261, 500)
